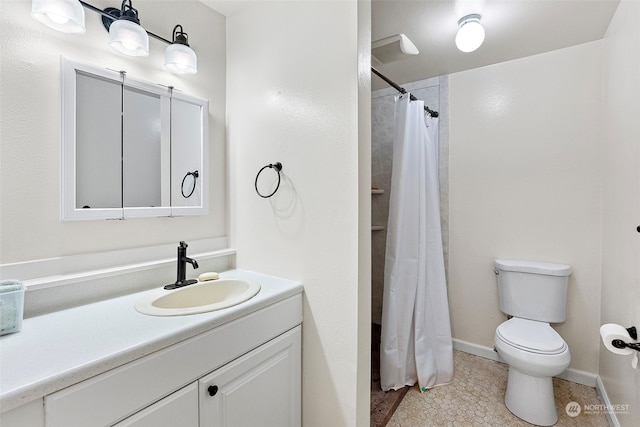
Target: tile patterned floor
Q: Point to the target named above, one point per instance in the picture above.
(475, 398)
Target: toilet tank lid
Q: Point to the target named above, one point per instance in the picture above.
(535, 267)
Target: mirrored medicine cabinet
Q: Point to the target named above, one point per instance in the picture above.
(130, 148)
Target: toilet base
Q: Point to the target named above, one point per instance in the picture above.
(531, 398)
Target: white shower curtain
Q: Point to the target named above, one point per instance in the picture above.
(416, 333)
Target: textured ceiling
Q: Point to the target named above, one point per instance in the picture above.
(514, 29)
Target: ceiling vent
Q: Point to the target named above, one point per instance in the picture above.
(392, 49)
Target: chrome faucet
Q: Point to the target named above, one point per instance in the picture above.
(183, 259)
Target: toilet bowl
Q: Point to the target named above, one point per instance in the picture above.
(535, 353)
(534, 295)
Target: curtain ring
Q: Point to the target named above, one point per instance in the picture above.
(278, 167)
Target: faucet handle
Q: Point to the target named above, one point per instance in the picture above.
(183, 244)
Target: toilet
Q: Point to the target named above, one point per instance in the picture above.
(533, 294)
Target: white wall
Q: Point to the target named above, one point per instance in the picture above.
(294, 98)
(30, 126)
(525, 183)
(621, 201)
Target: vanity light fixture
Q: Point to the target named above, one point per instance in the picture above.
(62, 15)
(179, 57)
(125, 33)
(470, 34)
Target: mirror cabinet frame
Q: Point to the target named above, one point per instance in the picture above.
(170, 179)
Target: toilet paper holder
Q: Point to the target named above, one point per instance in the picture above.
(633, 333)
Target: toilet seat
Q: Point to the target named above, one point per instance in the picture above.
(531, 336)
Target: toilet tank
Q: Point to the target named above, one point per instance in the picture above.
(533, 290)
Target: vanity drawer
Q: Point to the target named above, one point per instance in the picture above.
(177, 409)
(114, 395)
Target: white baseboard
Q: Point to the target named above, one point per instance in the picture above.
(570, 374)
(476, 349)
(604, 398)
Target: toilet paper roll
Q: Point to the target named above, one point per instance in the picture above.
(613, 331)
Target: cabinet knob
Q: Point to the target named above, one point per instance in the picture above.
(213, 390)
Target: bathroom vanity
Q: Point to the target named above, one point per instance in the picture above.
(106, 364)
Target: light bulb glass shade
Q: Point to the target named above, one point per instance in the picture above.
(180, 59)
(128, 38)
(62, 15)
(470, 34)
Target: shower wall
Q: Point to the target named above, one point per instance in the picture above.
(435, 94)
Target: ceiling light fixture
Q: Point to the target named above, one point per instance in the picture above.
(125, 33)
(179, 57)
(470, 34)
(62, 15)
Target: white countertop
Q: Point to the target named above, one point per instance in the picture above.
(56, 350)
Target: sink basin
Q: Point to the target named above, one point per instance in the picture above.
(200, 297)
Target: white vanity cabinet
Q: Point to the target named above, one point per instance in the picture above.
(261, 388)
(254, 360)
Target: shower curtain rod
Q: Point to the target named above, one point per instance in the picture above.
(403, 91)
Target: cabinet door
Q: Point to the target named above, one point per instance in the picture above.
(261, 388)
(177, 409)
